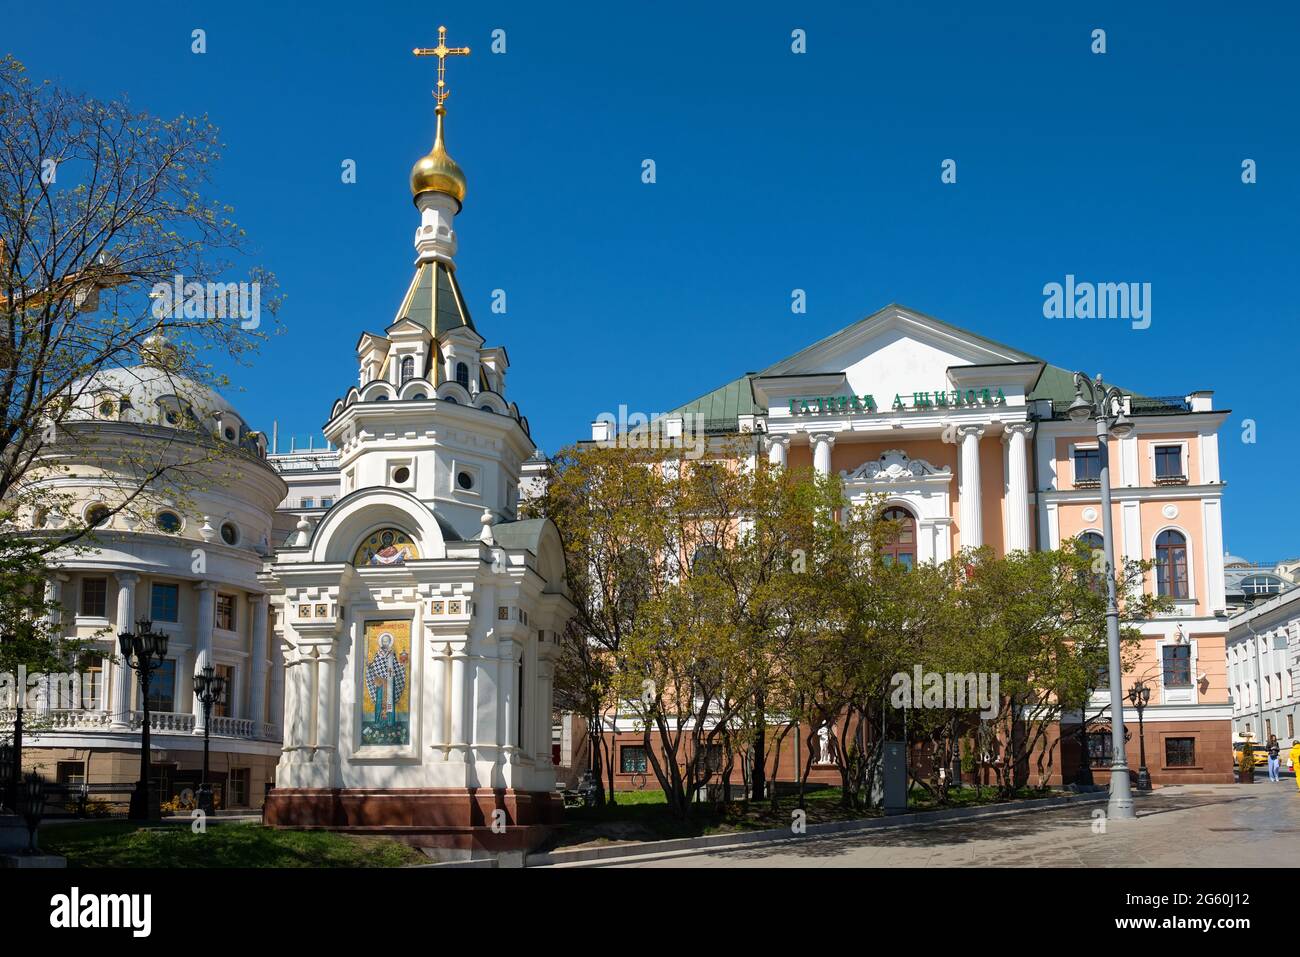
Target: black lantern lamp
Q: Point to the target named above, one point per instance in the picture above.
(145, 650)
(210, 688)
(32, 804)
(1140, 696)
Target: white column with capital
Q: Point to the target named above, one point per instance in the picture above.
(822, 443)
(441, 697)
(122, 673)
(327, 712)
(202, 644)
(972, 533)
(462, 699)
(1016, 435)
(257, 605)
(507, 682)
(777, 449)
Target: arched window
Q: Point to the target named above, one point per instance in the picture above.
(1092, 546)
(462, 374)
(408, 368)
(902, 547)
(1171, 564)
(1261, 585)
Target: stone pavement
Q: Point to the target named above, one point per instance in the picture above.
(1204, 825)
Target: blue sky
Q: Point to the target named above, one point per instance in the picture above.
(775, 171)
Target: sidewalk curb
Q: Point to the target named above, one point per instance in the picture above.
(684, 847)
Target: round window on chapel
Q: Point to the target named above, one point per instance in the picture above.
(465, 480)
(401, 475)
(96, 515)
(229, 533)
(169, 522)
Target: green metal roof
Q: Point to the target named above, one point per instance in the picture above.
(737, 397)
(734, 399)
(523, 534)
(434, 301)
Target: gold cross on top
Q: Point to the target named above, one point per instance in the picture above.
(441, 51)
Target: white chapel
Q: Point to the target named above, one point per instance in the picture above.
(417, 614)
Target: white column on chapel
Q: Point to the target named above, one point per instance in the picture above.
(542, 708)
(441, 669)
(257, 605)
(507, 674)
(202, 644)
(297, 685)
(326, 714)
(822, 442)
(1016, 435)
(777, 446)
(122, 673)
(972, 534)
(461, 698)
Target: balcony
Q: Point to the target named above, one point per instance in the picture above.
(160, 722)
(1171, 479)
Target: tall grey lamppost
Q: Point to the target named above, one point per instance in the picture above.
(1107, 407)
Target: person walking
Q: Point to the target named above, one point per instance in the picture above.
(1295, 760)
(1274, 757)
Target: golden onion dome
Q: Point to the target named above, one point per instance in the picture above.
(436, 171)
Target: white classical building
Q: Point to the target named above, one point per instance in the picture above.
(1263, 646)
(967, 443)
(186, 557)
(418, 613)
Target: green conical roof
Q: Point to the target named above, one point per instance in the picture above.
(433, 300)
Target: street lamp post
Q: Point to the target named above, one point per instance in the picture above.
(210, 688)
(145, 650)
(1140, 695)
(1106, 407)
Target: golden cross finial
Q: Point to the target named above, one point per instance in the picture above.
(441, 51)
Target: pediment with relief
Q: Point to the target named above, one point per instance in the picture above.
(896, 466)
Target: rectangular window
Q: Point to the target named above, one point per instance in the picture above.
(222, 709)
(164, 602)
(632, 759)
(326, 502)
(94, 597)
(162, 688)
(1087, 465)
(1169, 461)
(308, 502)
(1099, 749)
(93, 696)
(1268, 728)
(1290, 726)
(1178, 666)
(709, 760)
(238, 787)
(226, 612)
(1180, 752)
(72, 773)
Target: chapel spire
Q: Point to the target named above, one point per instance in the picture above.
(436, 171)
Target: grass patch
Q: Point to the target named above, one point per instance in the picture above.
(239, 844)
(644, 815)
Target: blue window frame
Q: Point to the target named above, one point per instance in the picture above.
(164, 602)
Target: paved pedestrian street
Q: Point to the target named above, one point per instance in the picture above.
(1188, 826)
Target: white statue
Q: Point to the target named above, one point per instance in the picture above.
(824, 745)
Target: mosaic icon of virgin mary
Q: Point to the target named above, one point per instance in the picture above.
(389, 547)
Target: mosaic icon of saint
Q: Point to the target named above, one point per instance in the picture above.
(385, 680)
